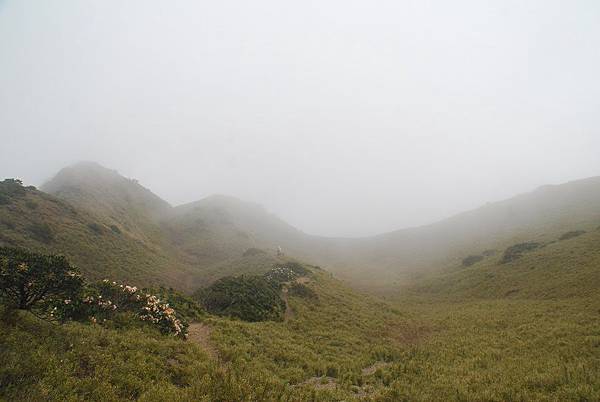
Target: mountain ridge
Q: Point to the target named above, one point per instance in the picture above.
(199, 236)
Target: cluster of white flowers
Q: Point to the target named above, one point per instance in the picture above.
(157, 312)
(282, 274)
(99, 301)
(152, 308)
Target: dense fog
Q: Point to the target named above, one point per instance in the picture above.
(344, 118)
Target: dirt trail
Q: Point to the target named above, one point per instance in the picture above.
(289, 313)
(200, 334)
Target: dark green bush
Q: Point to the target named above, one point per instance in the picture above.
(249, 298)
(42, 232)
(303, 291)
(96, 228)
(571, 234)
(472, 259)
(12, 188)
(514, 252)
(115, 229)
(297, 268)
(34, 281)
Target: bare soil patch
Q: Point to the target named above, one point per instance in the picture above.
(199, 333)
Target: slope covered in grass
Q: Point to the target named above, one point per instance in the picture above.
(555, 270)
(330, 339)
(338, 346)
(38, 221)
(208, 238)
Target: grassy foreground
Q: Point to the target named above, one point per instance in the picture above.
(342, 346)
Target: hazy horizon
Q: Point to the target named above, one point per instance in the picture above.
(342, 118)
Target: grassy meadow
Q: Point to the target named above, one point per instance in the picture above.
(343, 345)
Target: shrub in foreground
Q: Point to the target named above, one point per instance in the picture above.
(53, 289)
(106, 299)
(34, 281)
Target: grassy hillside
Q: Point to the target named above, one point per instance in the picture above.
(197, 243)
(111, 197)
(38, 221)
(337, 346)
(209, 237)
(487, 327)
(542, 216)
(299, 358)
(558, 269)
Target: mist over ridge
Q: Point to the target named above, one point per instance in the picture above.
(343, 118)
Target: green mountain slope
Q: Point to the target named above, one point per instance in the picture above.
(542, 215)
(110, 197)
(38, 221)
(297, 359)
(557, 270)
(207, 239)
(524, 329)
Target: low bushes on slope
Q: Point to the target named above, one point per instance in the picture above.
(571, 234)
(249, 298)
(303, 291)
(516, 251)
(472, 259)
(52, 288)
(286, 272)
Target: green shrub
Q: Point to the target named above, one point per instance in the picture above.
(41, 231)
(249, 298)
(514, 252)
(472, 259)
(303, 291)
(571, 234)
(12, 188)
(34, 281)
(115, 229)
(297, 268)
(96, 228)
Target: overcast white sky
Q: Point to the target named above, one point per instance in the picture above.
(342, 117)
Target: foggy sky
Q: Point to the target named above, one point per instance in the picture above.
(342, 117)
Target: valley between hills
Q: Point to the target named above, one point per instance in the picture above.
(500, 303)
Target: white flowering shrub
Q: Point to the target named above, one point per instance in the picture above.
(286, 272)
(280, 274)
(106, 299)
